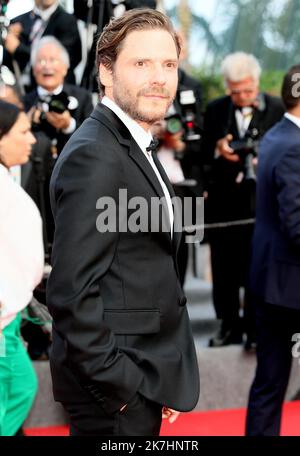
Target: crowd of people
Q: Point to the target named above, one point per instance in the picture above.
(105, 294)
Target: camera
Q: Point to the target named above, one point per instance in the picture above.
(182, 116)
(187, 101)
(55, 103)
(247, 149)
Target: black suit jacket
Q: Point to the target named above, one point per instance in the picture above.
(227, 199)
(62, 26)
(275, 265)
(120, 321)
(80, 113)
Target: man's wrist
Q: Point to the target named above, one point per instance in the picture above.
(71, 128)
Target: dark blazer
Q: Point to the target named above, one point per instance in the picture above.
(120, 321)
(80, 113)
(227, 199)
(62, 26)
(275, 266)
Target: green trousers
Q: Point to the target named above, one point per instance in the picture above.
(18, 381)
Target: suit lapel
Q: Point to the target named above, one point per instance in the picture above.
(112, 121)
(177, 213)
(142, 162)
(52, 20)
(140, 159)
(256, 119)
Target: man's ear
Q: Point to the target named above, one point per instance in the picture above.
(105, 75)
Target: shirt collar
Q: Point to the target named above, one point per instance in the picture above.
(3, 170)
(43, 92)
(141, 137)
(292, 118)
(45, 14)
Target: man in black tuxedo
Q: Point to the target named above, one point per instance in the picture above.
(275, 264)
(46, 18)
(244, 112)
(123, 354)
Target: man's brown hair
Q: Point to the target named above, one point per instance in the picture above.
(111, 39)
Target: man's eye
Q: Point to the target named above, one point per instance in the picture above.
(140, 63)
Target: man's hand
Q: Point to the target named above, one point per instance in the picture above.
(34, 115)
(12, 42)
(59, 121)
(225, 150)
(170, 414)
(16, 29)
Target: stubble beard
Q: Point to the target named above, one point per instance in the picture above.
(130, 105)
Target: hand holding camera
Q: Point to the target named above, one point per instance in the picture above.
(12, 40)
(224, 149)
(59, 121)
(55, 110)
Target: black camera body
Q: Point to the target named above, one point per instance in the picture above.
(187, 101)
(56, 103)
(182, 116)
(247, 149)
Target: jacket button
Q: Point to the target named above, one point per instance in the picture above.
(182, 301)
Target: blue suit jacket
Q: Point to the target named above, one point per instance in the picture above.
(275, 266)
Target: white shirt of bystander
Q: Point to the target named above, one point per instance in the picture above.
(21, 247)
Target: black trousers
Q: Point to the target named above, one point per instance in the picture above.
(275, 326)
(230, 258)
(141, 417)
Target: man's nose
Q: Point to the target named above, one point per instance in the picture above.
(158, 75)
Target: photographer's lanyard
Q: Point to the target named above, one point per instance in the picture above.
(243, 119)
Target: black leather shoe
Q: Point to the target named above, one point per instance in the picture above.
(225, 337)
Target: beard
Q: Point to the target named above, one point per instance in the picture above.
(133, 106)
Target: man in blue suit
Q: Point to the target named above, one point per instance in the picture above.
(275, 267)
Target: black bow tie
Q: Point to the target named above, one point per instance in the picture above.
(152, 146)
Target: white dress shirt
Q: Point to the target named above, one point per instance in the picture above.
(292, 118)
(21, 247)
(143, 139)
(243, 118)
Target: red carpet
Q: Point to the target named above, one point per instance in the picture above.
(211, 423)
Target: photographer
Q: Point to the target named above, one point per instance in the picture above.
(243, 113)
(56, 108)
